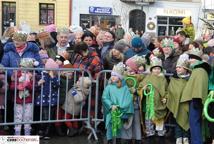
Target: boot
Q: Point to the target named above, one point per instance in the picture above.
(118, 140)
(72, 132)
(185, 140)
(179, 140)
(47, 133)
(59, 131)
(110, 142)
(27, 131)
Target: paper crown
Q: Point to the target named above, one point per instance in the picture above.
(118, 70)
(155, 62)
(20, 36)
(63, 30)
(195, 53)
(167, 42)
(28, 62)
(183, 61)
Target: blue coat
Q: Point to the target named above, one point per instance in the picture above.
(12, 59)
(49, 91)
(130, 52)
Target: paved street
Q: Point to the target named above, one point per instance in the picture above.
(82, 139)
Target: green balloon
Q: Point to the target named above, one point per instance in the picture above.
(209, 100)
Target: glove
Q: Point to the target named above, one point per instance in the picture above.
(197, 103)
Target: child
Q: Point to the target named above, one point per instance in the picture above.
(156, 113)
(135, 66)
(174, 94)
(48, 98)
(195, 93)
(75, 100)
(23, 102)
(116, 97)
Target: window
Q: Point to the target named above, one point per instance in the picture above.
(46, 14)
(167, 26)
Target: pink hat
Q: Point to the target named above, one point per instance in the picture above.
(51, 64)
(132, 64)
(50, 28)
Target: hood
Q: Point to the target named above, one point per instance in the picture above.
(30, 47)
(205, 66)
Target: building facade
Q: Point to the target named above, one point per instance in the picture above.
(161, 17)
(36, 13)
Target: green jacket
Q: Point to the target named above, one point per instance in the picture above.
(197, 85)
(178, 109)
(160, 86)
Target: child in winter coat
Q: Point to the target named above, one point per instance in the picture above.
(23, 99)
(195, 93)
(174, 93)
(153, 87)
(117, 103)
(48, 98)
(135, 67)
(74, 102)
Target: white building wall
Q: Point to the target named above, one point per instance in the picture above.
(119, 9)
(152, 11)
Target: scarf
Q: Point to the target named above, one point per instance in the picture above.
(21, 48)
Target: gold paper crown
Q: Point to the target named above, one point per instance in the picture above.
(155, 62)
(167, 42)
(183, 61)
(139, 60)
(63, 30)
(196, 51)
(20, 36)
(119, 68)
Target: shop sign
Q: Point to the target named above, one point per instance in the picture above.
(173, 12)
(100, 10)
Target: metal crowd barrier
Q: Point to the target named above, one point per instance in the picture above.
(70, 77)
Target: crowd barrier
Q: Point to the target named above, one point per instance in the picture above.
(11, 90)
(69, 78)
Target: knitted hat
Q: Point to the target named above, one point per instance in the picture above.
(155, 62)
(20, 36)
(28, 62)
(121, 45)
(60, 58)
(195, 53)
(50, 28)
(137, 43)
(132, 64)
(183, 61)
(118, 70)
(67, 64)
(51, 64)
(74, 28)
(167, 42)
(86, 81)
(186, 20)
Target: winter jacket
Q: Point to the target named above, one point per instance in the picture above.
(2, 90)
(22, 87)
(130, 53)
(12, 59)
(75, 100)
(49, 91)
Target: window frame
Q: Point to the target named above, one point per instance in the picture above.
(47, 9)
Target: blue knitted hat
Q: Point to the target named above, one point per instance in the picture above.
(137, 43)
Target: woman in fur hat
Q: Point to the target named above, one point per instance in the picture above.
(117, 98)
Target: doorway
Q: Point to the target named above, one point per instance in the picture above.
(137, 20)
